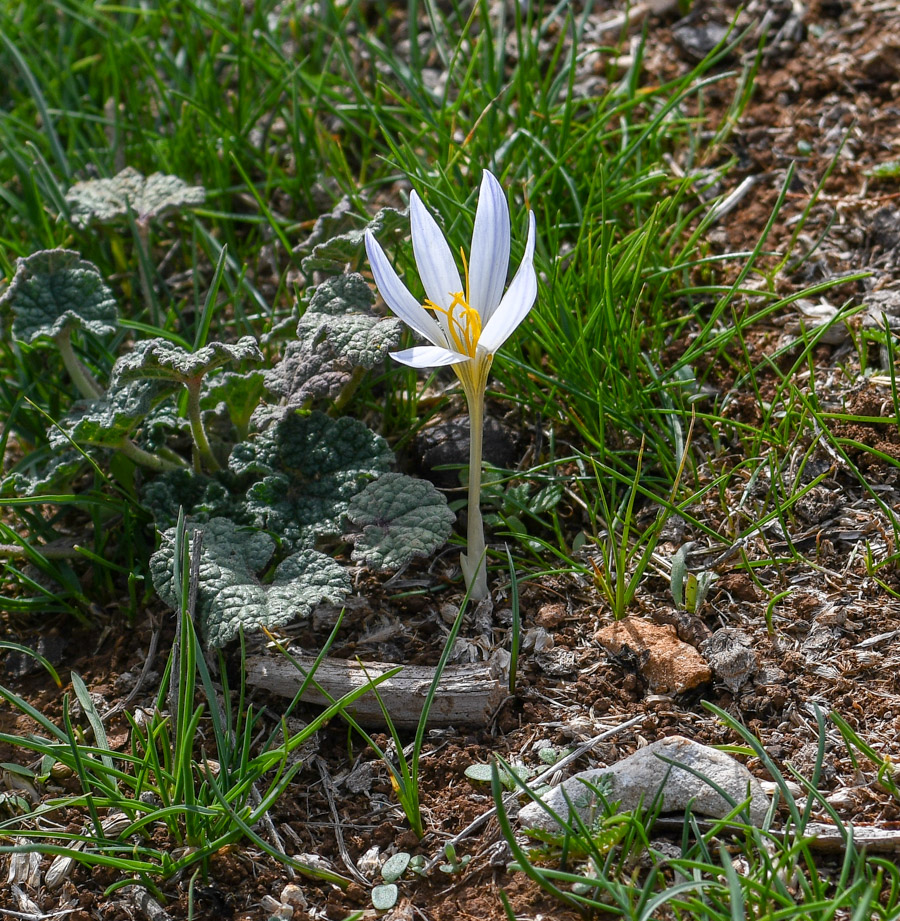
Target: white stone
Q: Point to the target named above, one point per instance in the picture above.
(637, 779)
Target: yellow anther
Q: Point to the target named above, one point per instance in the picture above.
(463, 321)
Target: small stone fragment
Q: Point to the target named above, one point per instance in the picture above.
(293, 895)
(638, 778)
(698, 39)
(732, 657)
(370, 862)
(537, 639)
(668, 664)
(361, 778)
(551, 615)
(557, 661)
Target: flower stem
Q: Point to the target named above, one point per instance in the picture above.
(81, 377)
(204, 451)
(473, 561)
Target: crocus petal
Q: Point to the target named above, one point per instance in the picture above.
(398, 297)
(428, 356)
(517, 301)
(489, 260)
(435, 262)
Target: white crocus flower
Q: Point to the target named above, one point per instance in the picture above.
(465, 324)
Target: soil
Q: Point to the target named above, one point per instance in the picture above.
(824, 106)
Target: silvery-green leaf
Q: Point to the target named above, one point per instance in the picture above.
(231, 596)
(107, 200)
(347, 293)
(311, 467)
(55, 290)
(395, 866)
(399, 519)
(239, 391)
(202, 497)
(384, 897)
(315, 450)
(356, 340)
(236, 550)
(346, 247)
(479, 773)
(54, 476)
(305, 374)
(160, 359)
(108, 421)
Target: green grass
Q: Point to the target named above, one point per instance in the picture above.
(726, 869)
(279, 114)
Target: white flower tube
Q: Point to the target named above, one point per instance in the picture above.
(465, 325)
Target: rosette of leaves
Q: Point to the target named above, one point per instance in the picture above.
(338, 339)
(53, 293)
(107, 201)
(338, 238)
(309, 466)
(399, 518)
(231, 595)
(164, 361)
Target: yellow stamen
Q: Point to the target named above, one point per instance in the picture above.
(464, 327)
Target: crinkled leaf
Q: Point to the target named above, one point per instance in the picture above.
(347, 293)
(224, 544)
(161, 424)
(240, 392)
(346, 247)
(314, 449)
(108, 200)
(278, 506)
(401, 518)
(108, 421)
(305, 374)
(201, 496)
(160, 359)
(55, 290)
(356, 340)
(339, 220)
(312, 466)
(61, 468)
(231, 596)
(336, 334)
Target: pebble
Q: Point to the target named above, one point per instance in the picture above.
(637, 778)
(669, 665)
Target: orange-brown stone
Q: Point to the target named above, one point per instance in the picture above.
(669, 665)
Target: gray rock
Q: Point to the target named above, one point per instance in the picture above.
(730, 653)
(639, 777)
